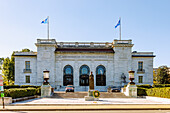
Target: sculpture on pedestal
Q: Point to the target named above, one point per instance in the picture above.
(131, 89)
(45, 88)
(92, 94)
(91, 81)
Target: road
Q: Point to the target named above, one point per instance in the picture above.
(103, 111)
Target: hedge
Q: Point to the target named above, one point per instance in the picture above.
(144, 86)
(22, 86)
(20, 92)
(161, 85)
(141, 91)
(11, 86)
(159, 92)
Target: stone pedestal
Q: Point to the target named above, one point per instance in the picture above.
(7, 100)
(90, 96)
(131, 90)
(45, 90)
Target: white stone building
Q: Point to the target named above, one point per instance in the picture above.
(72, 62)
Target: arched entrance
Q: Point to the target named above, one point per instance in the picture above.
(84, 75)
(100, 76)
(68, 75)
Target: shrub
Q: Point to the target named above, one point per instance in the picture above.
(141, 91)
(22, 86)
(11, 86)
(27, 86)
(20, 92)
(38, 92)
(159, 92)
(161, 85)
(144, 86)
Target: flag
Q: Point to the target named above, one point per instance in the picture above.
(44, 21)
(117, 24)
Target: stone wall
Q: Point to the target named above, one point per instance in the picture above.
(19, 70)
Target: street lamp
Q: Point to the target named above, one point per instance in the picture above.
(46, 77)
(131, 77)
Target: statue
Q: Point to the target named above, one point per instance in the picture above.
(92, 94)
(91, 81)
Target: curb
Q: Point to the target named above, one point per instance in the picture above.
(84, 109)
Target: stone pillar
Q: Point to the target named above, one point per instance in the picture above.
(45, 90)
(131, 89)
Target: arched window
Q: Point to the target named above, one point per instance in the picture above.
(84, 75)
(100, 76)
(68, 75)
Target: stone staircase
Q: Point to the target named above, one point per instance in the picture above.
(82, 94)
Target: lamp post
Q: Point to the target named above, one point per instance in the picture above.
(46, 77)
(131, 77)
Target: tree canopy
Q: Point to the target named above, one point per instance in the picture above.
(161, 75)
(8, 68)
(25, 50)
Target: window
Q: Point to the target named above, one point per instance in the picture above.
(84, 75)
(27, 67)
(68, 75)
(27, 78)
(100, 76)
(27, 64)
(140, 66)
(140, 79)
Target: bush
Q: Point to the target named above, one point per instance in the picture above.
(161, 85)
(20, 92)
(22, 86)
(38, 92)
(141, 91)
(159, 92)
(27, 86)
(11, 86)
(144, 86)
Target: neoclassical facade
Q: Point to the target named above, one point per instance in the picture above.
(70, 63)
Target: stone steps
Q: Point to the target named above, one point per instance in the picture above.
(83, 94)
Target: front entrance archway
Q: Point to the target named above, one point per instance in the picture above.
(100, 76)
(68, 75)
(84, 75)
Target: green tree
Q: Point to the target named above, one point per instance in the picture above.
(162, 76)
(25, 50)
(6, 69)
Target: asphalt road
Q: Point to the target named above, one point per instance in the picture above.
(110, 111)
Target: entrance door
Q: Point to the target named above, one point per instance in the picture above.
(68, 75)
(84, 75)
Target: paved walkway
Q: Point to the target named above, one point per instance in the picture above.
(71, 101)
(79, 104)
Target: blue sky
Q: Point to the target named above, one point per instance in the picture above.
(146, 22)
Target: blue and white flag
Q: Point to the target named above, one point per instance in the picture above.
(117, 24)
(44, 21)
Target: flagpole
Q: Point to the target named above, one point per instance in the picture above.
(48, 28)
(120, 28)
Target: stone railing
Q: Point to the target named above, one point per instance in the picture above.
(46, 41)
(27, 70)
(122, 42)
(140, 71)
(90, 44)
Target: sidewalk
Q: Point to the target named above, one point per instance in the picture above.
(78, 104)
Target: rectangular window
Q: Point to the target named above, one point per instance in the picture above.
(27, 64)
(27, 78)
(140, 66)
(140, 79)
